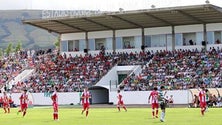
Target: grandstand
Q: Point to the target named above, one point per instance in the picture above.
(177, 47)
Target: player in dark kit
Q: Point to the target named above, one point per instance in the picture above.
(162, 101)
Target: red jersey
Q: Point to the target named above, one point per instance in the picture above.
(154, 97)
(202, 96)
(85, 97)
(5, 99)
(54, 97)
(120, 98)
(1, 100)
(24, 99)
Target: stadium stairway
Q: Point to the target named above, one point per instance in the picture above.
(110, 80)
(21, 77)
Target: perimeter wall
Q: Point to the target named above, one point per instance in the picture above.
(130, 97)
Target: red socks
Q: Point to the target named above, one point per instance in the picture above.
(55, 116)
(24, 114)
(124, 108)
(118, 108)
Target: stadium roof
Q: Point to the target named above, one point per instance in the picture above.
(147, 18)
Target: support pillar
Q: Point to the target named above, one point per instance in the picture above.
(204, 37)
(87, 43)
(173, 38)
(114, 40)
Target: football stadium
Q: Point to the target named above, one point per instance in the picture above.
(150, 66)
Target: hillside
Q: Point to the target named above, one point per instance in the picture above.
(12, 30)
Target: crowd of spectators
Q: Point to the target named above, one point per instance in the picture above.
(10, 66)
(14, 63)
(73, 73)
(179, 69)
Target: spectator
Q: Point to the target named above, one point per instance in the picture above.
(191, 42)
(217, 41)
(195, 101)
(171, 101)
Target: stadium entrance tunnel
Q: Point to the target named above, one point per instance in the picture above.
(99, 95)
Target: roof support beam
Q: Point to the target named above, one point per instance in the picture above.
(89, 20)
(191, 17)
(173, 38)
(157, 18)
(74, 27)
(205, 36)
(114, 41)
(218, 9)
(45, 28)
(143, 38)
(128, 21)
(87, 41)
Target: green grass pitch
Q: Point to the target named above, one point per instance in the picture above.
(110, 116)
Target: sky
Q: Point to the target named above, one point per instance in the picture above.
(102, 5)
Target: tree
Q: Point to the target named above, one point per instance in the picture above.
(9, 49)
(18, 46)
(57, 44)
(1, 53)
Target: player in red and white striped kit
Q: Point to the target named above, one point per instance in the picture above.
(23, 102)
(85, 101)
(54, 98)
(154, 102)
(202, 99)
(6, 105)
(120, 101)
